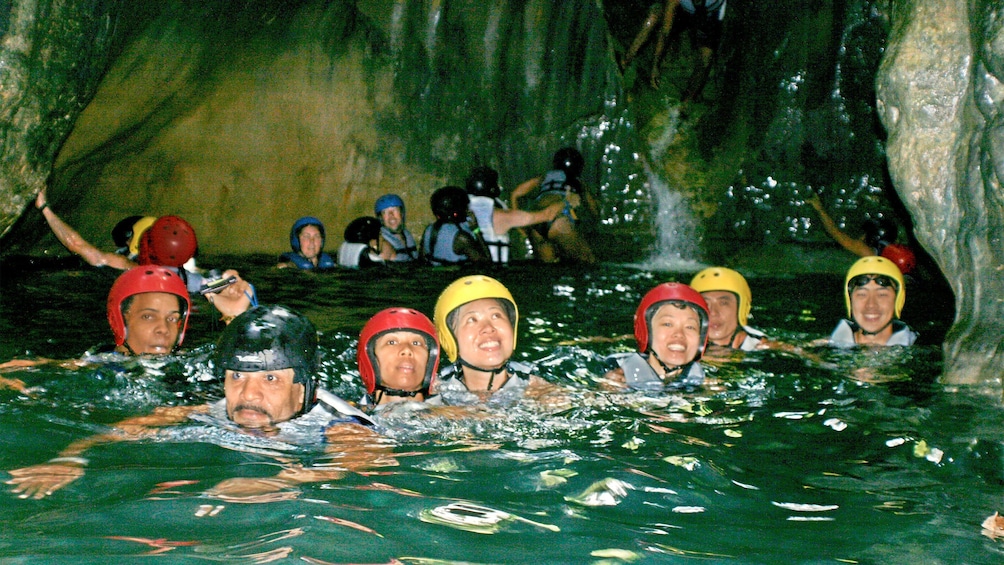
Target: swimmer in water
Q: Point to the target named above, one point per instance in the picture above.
(875, 293)
(396, 241)
(671, 329)
(148, 310)
(729, 301)
(449, 240)
(476, 319)
(397, 355)
(493, 219)
(306, 238)
(561, 238)
(268, 360)
(361, 246)
(878, 238)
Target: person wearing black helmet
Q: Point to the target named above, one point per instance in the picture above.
(878, 238)
(493, 218)
(561, 236)
(449, 240)
(268, 358)
(361, 248)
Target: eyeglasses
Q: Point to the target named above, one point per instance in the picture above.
(881, 280)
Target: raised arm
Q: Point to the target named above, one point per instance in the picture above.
(505, 220)
(522, 190)
(39, 481)
(855, 246)
(77, 244)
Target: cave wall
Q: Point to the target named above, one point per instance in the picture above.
(941, 99)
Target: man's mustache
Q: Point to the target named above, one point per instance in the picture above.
(254, 408)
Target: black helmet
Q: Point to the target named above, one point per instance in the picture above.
(880, 232)
(271, 338)
(122, 232)
(569, 159)
(484, 181)
(449, 204)
(362, 230)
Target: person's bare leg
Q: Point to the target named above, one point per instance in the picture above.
(700, 75)
(570, 244)
(660, 43)
(646, 29)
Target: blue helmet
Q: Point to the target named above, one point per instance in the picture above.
(294, 234)
(388, 201)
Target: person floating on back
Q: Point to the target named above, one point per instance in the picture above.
(875, 293)
(396, 241)
(306, 238)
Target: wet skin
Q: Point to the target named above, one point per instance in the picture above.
(873, 307)
(401, 359)
(675, 336)
(484, 333)
(262, 399)
(724, 318)
(310, 242)
(391, 218)
(152, 323)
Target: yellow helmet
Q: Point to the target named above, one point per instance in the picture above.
(876, 266)
(460, 292)
(720, 278)
(138, 228)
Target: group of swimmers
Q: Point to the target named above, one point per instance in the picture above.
(268, 355)
(472, 224)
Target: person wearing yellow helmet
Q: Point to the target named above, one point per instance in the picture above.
(729, 302)
(874, 292)
(476, 319)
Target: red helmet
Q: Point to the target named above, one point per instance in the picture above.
(901, 255)
(394, 319)
(669, 292)
(145, 278)
(170, 241)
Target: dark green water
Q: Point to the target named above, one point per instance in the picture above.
(783, 459)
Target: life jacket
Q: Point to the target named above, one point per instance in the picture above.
(357, 255)
(639, 375)
(402, 242)
(843, 334)
(715, 8)
(484, 211)
(451, 391)
(324, 261)
(752, 339)
(553, 183)
(437, 243)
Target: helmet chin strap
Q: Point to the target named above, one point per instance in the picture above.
(384, 391)
(460, 373)
(666, 368)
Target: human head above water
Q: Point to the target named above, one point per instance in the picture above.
(362, 230)
(159, 324)
(880, 270)
(169, 241)
(138, 229)
(294, 232)
(669, 293)
(721, 279)
(569, 160)
(122, 232)
(483, 181)
(383, 209)
(463, 291)
(449, 204)
(397, 322)
(269, 339)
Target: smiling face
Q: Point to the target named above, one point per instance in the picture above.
(391, 217)
(724, 319)
(310, 242)
(675, 335)
(401, 359)
(484, 333)
(873, 308)
(262, 399)
(153, 321)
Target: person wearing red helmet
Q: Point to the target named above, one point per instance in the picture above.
(148, 308)
(671, 330)
(398, 353)
(878, 238)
